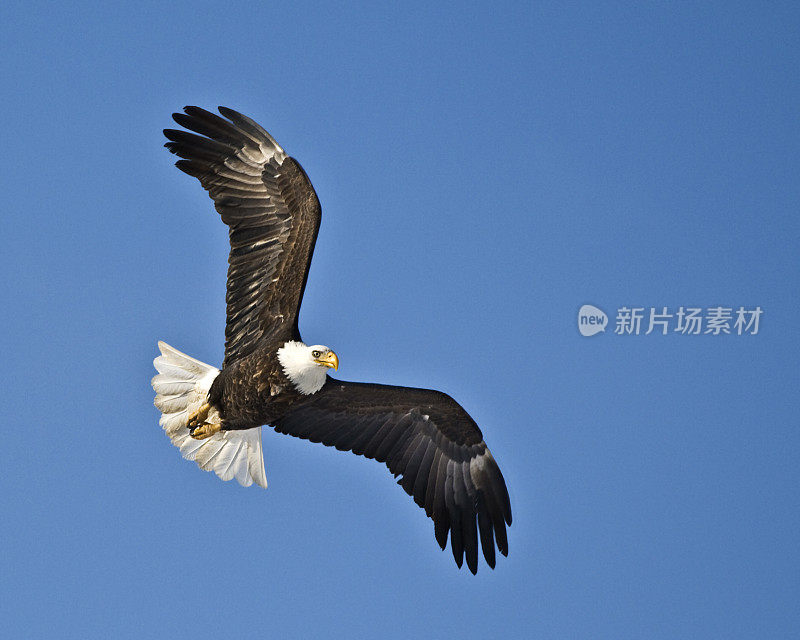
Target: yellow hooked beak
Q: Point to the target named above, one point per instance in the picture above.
(329, 359)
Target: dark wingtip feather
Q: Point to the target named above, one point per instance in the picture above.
(198, 111)
(189, 167)
(506, 499)
(499, 487)
(182, 119)
(248, 124)
(456, 543)
(485, 529)
(471, 542)
(501, 538)
(440, 529)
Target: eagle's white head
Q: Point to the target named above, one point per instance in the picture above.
(306, 366)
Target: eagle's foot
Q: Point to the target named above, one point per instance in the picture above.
(198, 417)
(205, 431)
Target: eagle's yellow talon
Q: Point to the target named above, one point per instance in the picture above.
(205, 431)
(199, 416)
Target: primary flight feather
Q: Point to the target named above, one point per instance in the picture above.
(271, 377)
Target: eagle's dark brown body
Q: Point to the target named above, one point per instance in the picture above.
(424, 436)
(253, 391)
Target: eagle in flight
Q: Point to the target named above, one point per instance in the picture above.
(271, 377)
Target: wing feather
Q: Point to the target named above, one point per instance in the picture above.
(428, 440)
(430, 490)
(485, 528)
(456, 539)
(273, 215)
(420, 483)
(441, 515)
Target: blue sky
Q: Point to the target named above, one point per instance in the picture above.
(484, 171)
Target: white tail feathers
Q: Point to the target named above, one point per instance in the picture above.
(181, 388)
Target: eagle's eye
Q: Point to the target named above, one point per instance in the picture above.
(316, 354)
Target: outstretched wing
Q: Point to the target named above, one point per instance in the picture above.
(426, 437)
(273, 214)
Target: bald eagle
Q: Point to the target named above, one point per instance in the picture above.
(269, 376)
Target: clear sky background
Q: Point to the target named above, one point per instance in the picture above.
(484, 171)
